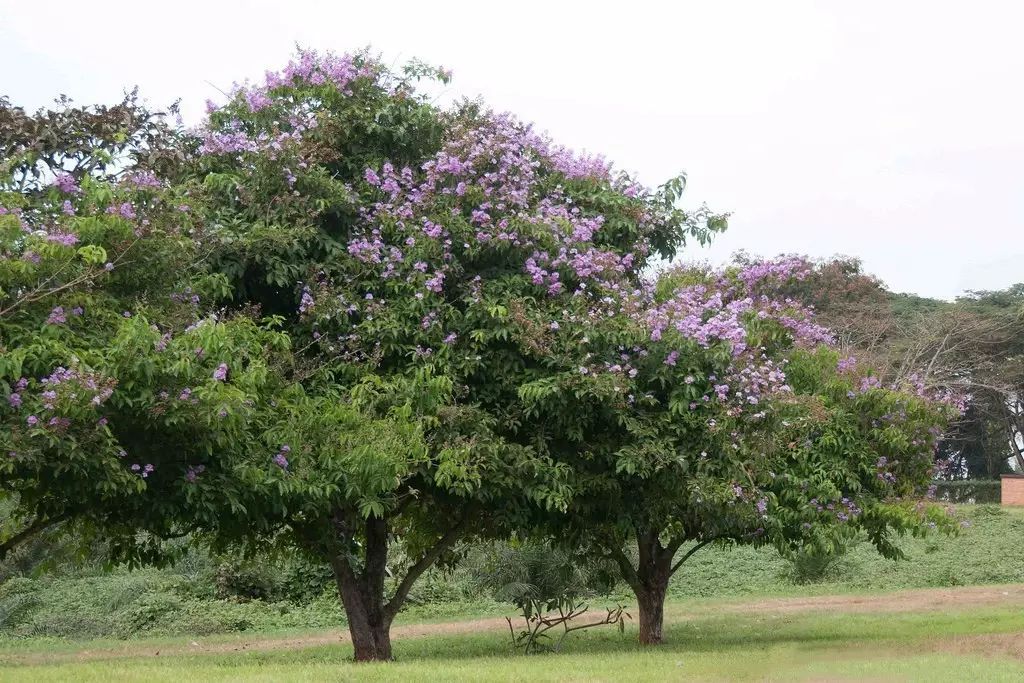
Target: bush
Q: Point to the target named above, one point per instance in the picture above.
(969, 491)
(537, 577)
(812, 564)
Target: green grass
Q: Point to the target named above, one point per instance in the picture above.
(740, 647)
(50, 621)
(174, 601)
(984, 552)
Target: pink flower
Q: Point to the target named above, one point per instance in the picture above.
(66, 183)
(56, 316)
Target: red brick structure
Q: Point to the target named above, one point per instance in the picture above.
(1013, 489)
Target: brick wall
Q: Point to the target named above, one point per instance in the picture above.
(1013, 489)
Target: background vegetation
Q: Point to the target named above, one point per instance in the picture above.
(205, 594)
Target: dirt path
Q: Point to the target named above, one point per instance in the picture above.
(903, 601)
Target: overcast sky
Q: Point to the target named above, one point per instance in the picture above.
(891, 131)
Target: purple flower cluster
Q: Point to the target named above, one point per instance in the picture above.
(280, 458)
(221, 373)
(125, 210)
(776, 271)
(68, 239)
(65, 390)
(142, 180)
(883, 470)
(186, 296)
(489, 174)
(193, 472)
(67, 184)
(142, 470)
(844, 510)
(56, 316)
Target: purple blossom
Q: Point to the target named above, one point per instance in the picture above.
(306, 303)
(257, 100)
(143, 179)
(221, 373)
(124, 210)
(67, 184)
(65, 238)
(56, 316)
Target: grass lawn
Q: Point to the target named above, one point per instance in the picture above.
(940, 635)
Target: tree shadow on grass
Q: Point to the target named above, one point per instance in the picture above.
(721, 634)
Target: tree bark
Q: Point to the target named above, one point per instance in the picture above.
(652, 614)
(368, 623)
(368, 610)
(653, 572)
(362, 596)
(649, 579)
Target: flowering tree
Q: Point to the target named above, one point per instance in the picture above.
(971, 346)
(706, 410)
(99, 303)
(338, 318)
(399, 243)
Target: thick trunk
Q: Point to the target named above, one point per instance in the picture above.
(369, 613)
(372, 644)
(652, 614)
(649, 579)
(362, 595)
(368, 623)
(652, 575)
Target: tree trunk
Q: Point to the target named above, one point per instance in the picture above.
(368, 624)
(368, 611)
(362, 595)
(651, 583)
(371, 644)
(652, 614)
(649, 579)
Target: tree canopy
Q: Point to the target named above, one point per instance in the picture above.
(337, 317)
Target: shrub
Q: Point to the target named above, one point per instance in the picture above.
(813, 563)
(969, 491)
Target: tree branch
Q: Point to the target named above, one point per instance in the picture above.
(421, 565)
(629, 572)
(29, 531)
(688, 554)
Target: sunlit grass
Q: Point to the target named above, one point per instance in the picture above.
(797, 646)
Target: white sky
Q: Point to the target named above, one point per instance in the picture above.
(892, 131)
